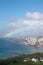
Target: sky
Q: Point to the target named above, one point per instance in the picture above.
(21, 17)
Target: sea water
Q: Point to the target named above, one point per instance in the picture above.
(10, 48)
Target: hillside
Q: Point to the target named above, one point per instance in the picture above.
(20, 60)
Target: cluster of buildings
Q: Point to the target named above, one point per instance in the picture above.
(35, 41)
(33, 60)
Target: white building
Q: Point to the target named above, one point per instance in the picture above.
(34, 60)
(25, 60)
(41, 59)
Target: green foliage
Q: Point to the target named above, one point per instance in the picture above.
(18, 60)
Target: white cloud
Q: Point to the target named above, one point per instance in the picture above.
(12, 24)
(32, 19)
(32, 23)
(34, 16)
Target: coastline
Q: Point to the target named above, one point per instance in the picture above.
(25, 59)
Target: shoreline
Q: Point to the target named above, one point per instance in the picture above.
(21, 55)
(20, 60)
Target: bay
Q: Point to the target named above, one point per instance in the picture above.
(10, 48)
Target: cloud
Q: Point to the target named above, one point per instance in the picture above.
(32, 19)
(32, 23)
(15, 22)
(12, 24)
(34, 16)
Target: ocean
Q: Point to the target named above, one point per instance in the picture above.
(10, 48)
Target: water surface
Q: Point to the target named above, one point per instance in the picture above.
(12, 48)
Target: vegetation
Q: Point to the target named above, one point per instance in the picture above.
(19, 60)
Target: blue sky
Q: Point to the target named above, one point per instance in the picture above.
(10, 8)
(20, 15)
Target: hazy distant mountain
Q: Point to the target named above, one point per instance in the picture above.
(30, 31)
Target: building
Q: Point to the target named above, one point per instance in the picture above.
(34, 60)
